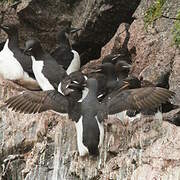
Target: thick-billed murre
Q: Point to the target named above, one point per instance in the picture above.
(90, 113)
(64, 54)
(14, 64)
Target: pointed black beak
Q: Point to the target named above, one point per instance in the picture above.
(73, 30)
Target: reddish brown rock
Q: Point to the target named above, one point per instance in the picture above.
(44, 146)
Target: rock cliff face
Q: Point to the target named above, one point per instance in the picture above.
(43, 146)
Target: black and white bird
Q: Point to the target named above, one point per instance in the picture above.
(112, 81)
(47, 71)
(72, 82)
(64, 54)
(132, 83)
(89, 114)
(122, 67)
(109, 77)
(14, 64)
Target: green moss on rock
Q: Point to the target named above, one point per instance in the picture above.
(154, 12)
(176, 30)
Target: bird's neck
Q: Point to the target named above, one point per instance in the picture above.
(64, 41)
(13, 41)
(112, 76)
(122, 76)
(38, 54)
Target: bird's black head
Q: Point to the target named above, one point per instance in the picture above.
(65, 32)
(10, 29)
(111, 58)
(74, 82)
(108, 59)
(122, 66)
(77, 77)
(133, 82)
(107, 69)
(32, 47)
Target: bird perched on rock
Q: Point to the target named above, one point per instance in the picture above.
(122, 67)
(108, 78)
(113, 82)
(47, 71)
(14, 64)
(64, 54)
(88, 113)
(134, 82)
(73, 81)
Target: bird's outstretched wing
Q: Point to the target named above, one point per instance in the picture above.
(138, 99)
(30, 102)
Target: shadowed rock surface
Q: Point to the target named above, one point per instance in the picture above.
(43, 146)
(99, 20)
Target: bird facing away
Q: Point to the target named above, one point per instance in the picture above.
(64, 54)
(47, 71)
(14, 64)
(89, 114)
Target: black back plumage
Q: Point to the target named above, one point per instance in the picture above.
(54, 72)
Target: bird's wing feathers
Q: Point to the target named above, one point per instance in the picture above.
(63, 56)
(35, 102)
(55, 74)
(137, 99)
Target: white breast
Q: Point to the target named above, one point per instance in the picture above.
(43, 82)
(83, 150)
(75, 63)
(10, 68)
